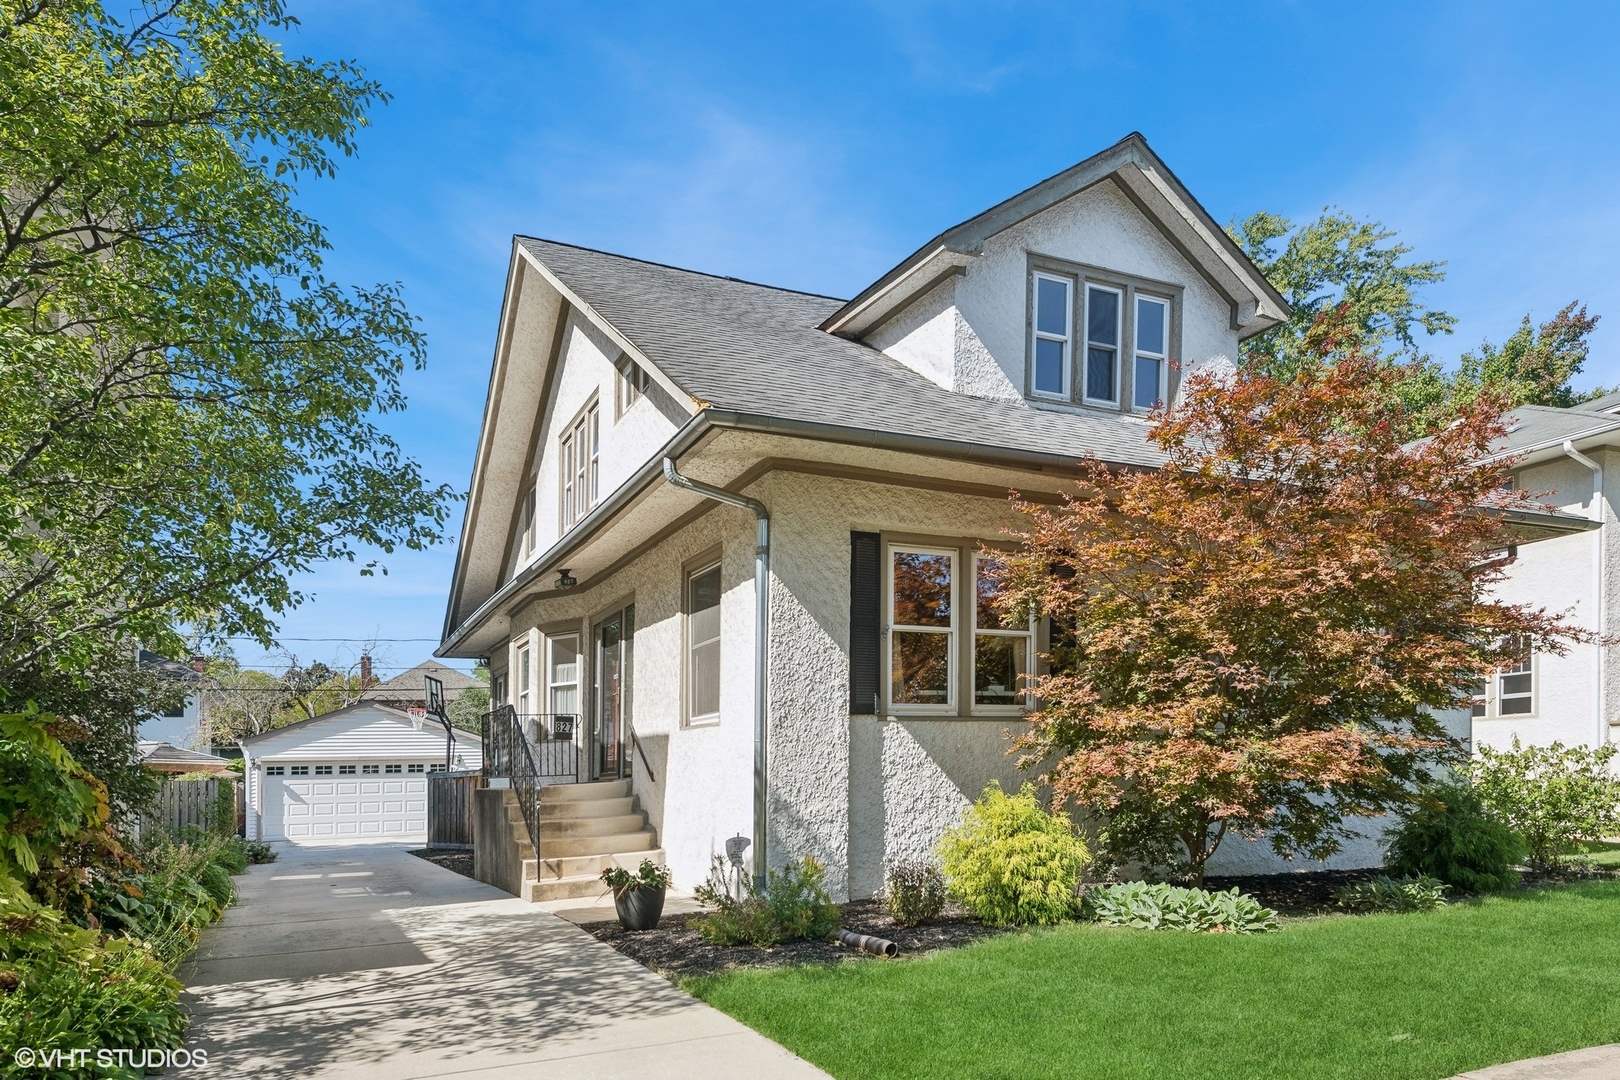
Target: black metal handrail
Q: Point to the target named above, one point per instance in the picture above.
(506, 754)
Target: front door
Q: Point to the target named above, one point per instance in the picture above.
(613, 636)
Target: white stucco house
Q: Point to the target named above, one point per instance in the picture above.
(657, 442)
(357, 772)
(1568, 459)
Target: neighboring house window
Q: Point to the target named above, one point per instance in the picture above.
(345, 770)
(524, 681)
(323, 770)
(1152, 351)
(1102, 345)
(922, 629)
(562, 674)
(703, 645)
(275, 770)
(300, 770)
(633, 381)
(1053, 324)
(370, 770)
(393, 770)
(1001, 645)
(578, 460)
(439, 767)
(174, 712)
(416, 769)
(1515, 685)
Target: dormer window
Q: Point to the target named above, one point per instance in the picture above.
(1054, 320)
(1098, 338)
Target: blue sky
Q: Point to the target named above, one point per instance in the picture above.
(813, 146)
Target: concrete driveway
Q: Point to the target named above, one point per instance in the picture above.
(364, 961)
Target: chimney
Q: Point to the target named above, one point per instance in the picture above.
(365, 671)
(199, 664)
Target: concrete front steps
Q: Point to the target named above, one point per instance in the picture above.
(584, 829)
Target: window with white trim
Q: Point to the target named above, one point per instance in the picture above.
(1002, 644)
(370, 770)
(703, 645)
(393, 770)
(1150, 370)
(298, 770)
(578, 459)
(562, 674)
(1052, 326)
(526, 545)
(525, 675)
(1515, 684)
(632, 383)
(275, 770)
(1102, 345)
(922, 629)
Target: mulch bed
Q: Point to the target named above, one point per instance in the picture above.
(676, 950)
(455, 861)
(1314, 892)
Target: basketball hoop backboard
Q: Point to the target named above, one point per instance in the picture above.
(435, 696)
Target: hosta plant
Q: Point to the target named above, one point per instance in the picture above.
(1147, 906)
(1385, 893)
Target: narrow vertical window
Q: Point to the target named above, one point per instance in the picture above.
(1515, 684)
(703, 645)
(1001, 643)
(1476, 704)
(922, 629)
(562, 674)
(578, 454)
(1050, 352)
(1152, 345)
(528, 522)
(1102, 345)
(633, 382)
(525, 702)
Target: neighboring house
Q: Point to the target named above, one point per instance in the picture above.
(880, 436)
(407, 690)
(1569, 459)
(181, 725)
(174, 761)
(359, 771)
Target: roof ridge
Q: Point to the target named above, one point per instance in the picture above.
(682, 269)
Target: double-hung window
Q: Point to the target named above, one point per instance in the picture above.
(562, 674)
(703, 645)
(922, 629)
(632, 383)
(578, 454)
(1102, 345)
(1053, 324)
(525, 676)
(1152, 352)
(1001, 643)
(1515, 684)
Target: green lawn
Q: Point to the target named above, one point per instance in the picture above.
(1605, 853)
(1377, 996)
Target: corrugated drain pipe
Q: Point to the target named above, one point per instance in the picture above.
(762, 622)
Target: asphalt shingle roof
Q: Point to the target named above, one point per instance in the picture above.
(755, 349)
(1537, 425)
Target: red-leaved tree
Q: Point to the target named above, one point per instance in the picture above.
(1253, 638)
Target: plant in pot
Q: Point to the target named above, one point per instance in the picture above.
(639, 897)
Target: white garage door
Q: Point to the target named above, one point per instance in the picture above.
(312, 807)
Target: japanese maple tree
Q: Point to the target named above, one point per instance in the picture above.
(1253, 638)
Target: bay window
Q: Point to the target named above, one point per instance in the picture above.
(562, 674)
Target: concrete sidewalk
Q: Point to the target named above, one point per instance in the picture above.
(1593, 1063)
(364, 961)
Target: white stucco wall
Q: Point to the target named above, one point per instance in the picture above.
(969, 332)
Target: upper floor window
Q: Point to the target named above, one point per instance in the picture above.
(632, 383)
(1054, 322)
(1515, 684)
(1152, 352)
(577, 456)
(1101, 341)
(527, 542)
(703, 645)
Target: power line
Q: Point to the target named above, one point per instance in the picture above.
(362, 640)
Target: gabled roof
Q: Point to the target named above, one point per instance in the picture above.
(1539, 427)
(757, 350)
(1138, 172)
(169, 758)
(410, 685)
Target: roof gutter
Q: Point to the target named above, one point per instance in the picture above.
(762, 625)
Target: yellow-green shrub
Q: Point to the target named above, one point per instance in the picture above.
(1013, 862)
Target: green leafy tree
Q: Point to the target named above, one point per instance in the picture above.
(1556, 797)
(466, 710)
(1536, 364)
(1338, 262)
(187, 402)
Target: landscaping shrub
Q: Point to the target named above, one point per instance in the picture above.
(914, 892)
(1013, 862)
(257, 852)
(1451, 835)
(1556, 797)
(1385, 893)
(794, 904)
(232, 856)
(648, 876)
(1169, 907)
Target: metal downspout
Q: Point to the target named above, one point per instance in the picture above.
(762, 617)
(1596, 514)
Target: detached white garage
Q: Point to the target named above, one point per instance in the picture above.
(359, 772)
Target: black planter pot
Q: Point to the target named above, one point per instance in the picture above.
(639, 908)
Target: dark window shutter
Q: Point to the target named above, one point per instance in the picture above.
(865, 603)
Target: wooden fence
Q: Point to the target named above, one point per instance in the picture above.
(450, 808)
(211, 805)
